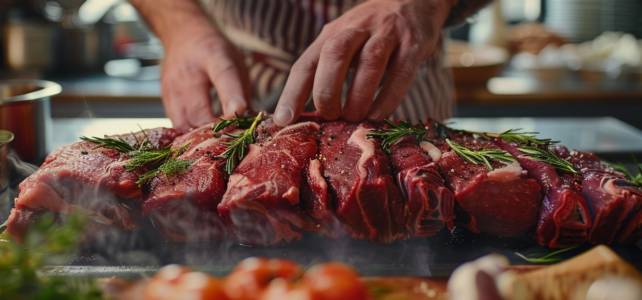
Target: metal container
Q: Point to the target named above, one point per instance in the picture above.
(5, 205)
(25, 110)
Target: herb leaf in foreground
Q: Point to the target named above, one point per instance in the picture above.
(117, 144)
(481, 157)
(547, 156)
(636, 180)
(396, 132)
(546, 259)
(237, 148)
(47, 242)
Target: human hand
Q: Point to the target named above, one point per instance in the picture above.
(391, 36)
(196, 60)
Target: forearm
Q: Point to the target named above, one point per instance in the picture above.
(461, 9)
(170, 19)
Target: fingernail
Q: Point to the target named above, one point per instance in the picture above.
(374, 114)
(233, 107)
(283, 116)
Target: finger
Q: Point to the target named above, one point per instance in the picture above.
(230, 84)
(399, 79)
(334, 61)
(187, 102)
(298, 85)
(370, 68)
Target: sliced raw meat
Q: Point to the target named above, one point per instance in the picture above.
(610, 196)
(81, 178)
(564, 218)
(503, 201)
(261, 205)
(357, 171)
(315, 199)
(428, 203)
(184, 207)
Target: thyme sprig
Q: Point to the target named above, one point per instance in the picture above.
(480, 157)
(636, 180)
(238, 147)
(546, 259)
(241, 123)
(396, 132)
(547, 156)
(171, 167)
(514, 135)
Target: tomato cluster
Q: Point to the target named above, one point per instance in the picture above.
(260, 279)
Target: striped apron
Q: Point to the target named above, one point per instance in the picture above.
(272, 34)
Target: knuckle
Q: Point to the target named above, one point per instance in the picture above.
(405, 72)
(337, 48)
(374, 57)
(304, 65)
(323, 99)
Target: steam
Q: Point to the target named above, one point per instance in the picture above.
(18, 170)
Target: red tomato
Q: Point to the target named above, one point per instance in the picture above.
(175, 283)
(162, 285)
(251, 276)
(333, 281)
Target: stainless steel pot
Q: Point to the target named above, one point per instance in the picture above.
(5, 205)
(25, 110)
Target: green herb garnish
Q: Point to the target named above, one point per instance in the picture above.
(145, 154)
(547, 156)
(392, 135)
(546, 259)
(241, 123)
(513, 135)
(237, 148)
(636, 180)
(46, 243)
(480, 157)
(171, 167)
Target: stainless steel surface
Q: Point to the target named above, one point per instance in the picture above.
(5, 138)
(25, 110)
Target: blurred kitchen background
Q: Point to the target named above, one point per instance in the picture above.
(515, 58)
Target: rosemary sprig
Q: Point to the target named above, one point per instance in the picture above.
(238, 147)
(636, 180)
(140, 158)
(242, 123)
(514, 135)
(117, 144)
(481, 156)
(547, 156)
(398, 131)
(546, 259)
(171, 167)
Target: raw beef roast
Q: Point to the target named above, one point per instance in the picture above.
(358, 174)
(501, 202)
(261, 205)
(610, 196)
(184, 207)
(83, 178)
(564, 218)
(428, 203)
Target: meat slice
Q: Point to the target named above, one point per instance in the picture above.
(428, 203)
(503, 201)
(315, 199)
(357, 171)
(184, 207)
(261, 204)
(564, 219)
(80, 178)
(610, 196)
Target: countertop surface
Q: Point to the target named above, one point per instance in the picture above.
(598, 135)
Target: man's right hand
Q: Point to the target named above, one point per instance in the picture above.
(192, 64)
(197, 57)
